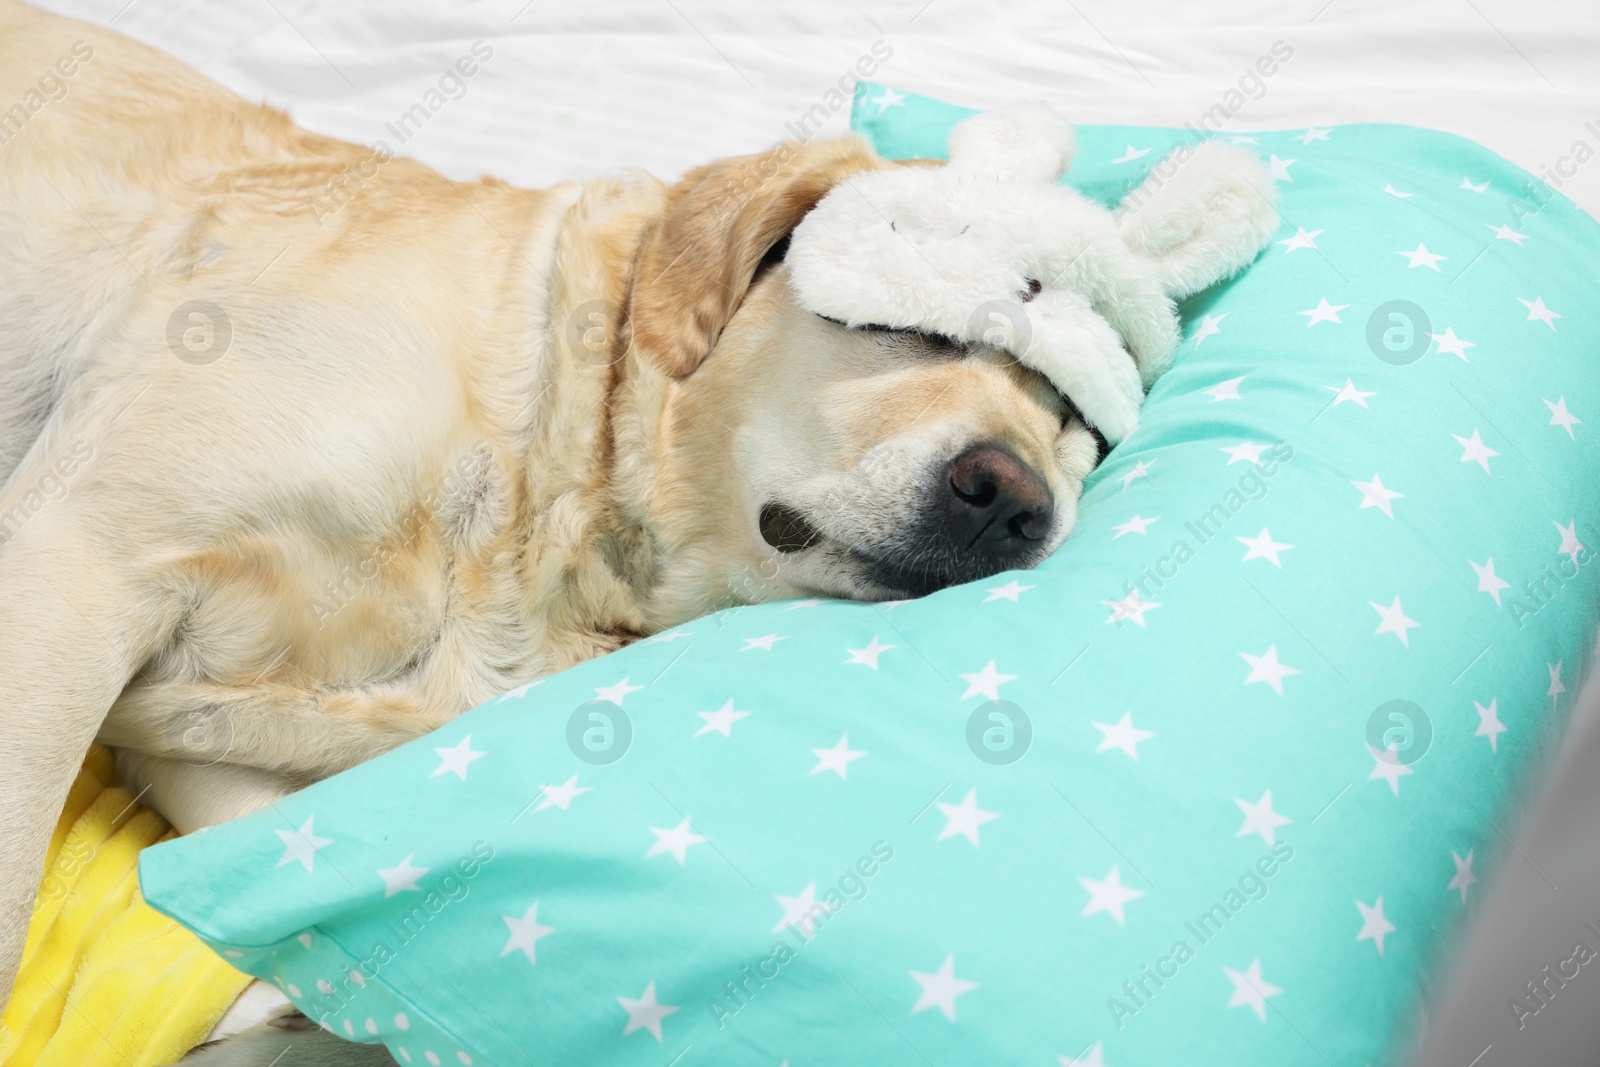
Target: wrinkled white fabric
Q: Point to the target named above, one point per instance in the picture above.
(577, 89)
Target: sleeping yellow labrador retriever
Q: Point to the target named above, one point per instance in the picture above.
(305, 449)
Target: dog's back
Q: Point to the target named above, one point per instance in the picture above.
(69, 266)
(141, 208)
(39, 336)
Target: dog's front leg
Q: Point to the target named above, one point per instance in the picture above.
(301, 731)
(192, 796)
(77, 619)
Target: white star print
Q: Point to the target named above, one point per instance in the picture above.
(1556, 688)
(301, 846)
(1449, 342)
(836, 759)
(1375, 495)
(1010, 591)
(1122, 734)
(1209, 324)
(1537, 311)
(1488, 581)
(1262, 546)
(1312, 134)
(1259, 818)
(1108, 895)
(1394, 621)
(1132, 608)
(525, 933)
(1228, 390)
(1475, 451)
(965, 818)
(1244, 452)
(456, 759)
(519, 692)
(615, 694)
(720, 721)
(1279, 169)
(1388, 767)
(800, 912)
(1347, 392)
(801, 605)
(402, 879)
(674, 842)
(1489, 724)
(941, 988)
(1560, 416)
(561, 796)
(1093, 1059)
(1570, 545)
(668, 638)
(1301, 239)
(1392, 191)
(1506, 233)
(1140, 470)
(1132, 154)
(1463, 876)
(887, 99)
(1374, 927)
(1266, 668)
(1484, 188)
(1250, 989)
(764, 643)
(645, 1013)
(868, 656)
(1135, 525)
(986, 682)
(1421, 257)
(1323, 312)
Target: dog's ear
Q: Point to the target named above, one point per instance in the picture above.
(1201, 215)
(719, 222)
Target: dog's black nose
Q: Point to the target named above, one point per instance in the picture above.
(998, 505)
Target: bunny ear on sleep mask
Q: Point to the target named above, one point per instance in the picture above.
(992, 250)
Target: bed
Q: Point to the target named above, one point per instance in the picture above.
(571, 94)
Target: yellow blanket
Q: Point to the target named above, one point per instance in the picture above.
(106, 981)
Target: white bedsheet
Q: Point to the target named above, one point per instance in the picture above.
(576, 89)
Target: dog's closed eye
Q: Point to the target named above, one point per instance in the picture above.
(937, 343)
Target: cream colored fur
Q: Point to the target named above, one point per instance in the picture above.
(461, 434)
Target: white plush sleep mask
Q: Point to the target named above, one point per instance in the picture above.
(991, 249)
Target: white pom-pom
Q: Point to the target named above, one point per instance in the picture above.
(1025, 141)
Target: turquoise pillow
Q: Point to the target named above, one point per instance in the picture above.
(1216, 784)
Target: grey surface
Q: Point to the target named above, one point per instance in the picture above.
(272, 1046)
(1538, 907)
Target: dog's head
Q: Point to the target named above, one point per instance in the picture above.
(798, 455)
